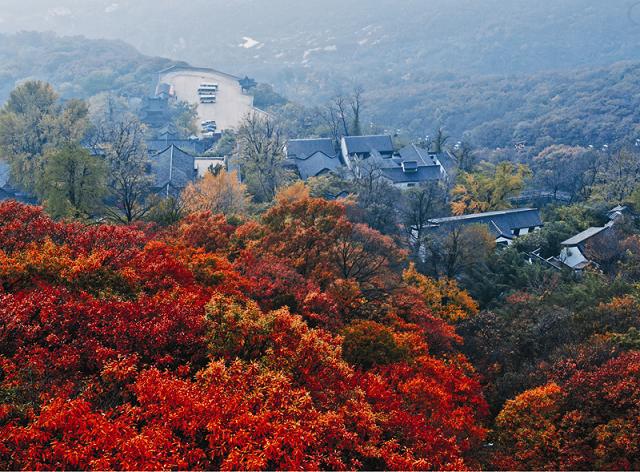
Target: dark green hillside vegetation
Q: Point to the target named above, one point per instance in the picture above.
(376, 41)
(78, 67)
(594, 106)
(589, 107)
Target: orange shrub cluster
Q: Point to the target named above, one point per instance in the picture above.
(213, 345)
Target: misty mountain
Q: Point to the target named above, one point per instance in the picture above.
(306, 48)
(77, 67)
(587, 106)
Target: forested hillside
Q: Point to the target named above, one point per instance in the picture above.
(462, 293)
(265, 323)
(590, 106)
(78, 67)
(582, 107)
(371, 40)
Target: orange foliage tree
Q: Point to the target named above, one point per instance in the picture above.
(217, 193)
(212, 345)
(588, 421)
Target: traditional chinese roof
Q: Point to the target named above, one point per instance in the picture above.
(368, 144)
(407, 174)
(501, 223)
(305, 148)
(584, 236)
(173, 168)
(312, 157)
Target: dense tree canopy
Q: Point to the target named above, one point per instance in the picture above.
(33, 121)
(272, 324)
(217, 345)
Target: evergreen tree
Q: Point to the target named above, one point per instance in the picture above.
(33, 121)
(72, 183)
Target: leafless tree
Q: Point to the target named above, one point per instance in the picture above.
(343, 114)
(439, 141)
(465, 156)
(260, 155)
(618, 176)
(377, 197)
(567, 169)
(419, 204)
(341, 105)
(122, 142)
(356, 104)
(606, 249)
(330, 117)
(452, 251)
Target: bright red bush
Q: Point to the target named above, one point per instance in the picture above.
(589, 421)
(211, 346)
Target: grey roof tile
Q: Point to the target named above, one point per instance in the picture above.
(316, 165)
(172, 167)
(367, 144)
(414, 153)
(583, 236)
(421, 174)
(304, 148)
(312, 157)
(499, 222)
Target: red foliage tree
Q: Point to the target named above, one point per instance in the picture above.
(589, 421)
(215, 346)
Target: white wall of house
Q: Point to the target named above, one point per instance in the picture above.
(572, 256)
(345, 154)
(524, 231)
(404, 185)
(202, 164)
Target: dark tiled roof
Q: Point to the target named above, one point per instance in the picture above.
(155, 104)
(8, 194)
(172, 167)
(168, 131)
(304, 148)
(414, 153)
(316, 165)
(410, 165)
(499, 222)
(448, 161)
(367, 144)
(192, 146)
(422, 174)
(584, 236)
(5, 195)
(312, 157)
(155, 111)
(163, 88)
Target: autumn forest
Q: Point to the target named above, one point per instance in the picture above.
(300, 341)
(362, 253)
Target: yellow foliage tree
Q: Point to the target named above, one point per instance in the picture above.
(488, 189)
(293, 193)
(217, 193)
(443, 295)
(527, 431)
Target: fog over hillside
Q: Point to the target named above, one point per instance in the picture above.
(375, 42)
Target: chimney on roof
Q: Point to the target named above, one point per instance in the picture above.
(410, 166)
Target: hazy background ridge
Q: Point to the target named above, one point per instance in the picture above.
(488, 71)
(377, 41)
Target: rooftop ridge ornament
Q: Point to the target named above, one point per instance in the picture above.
(247, 83)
